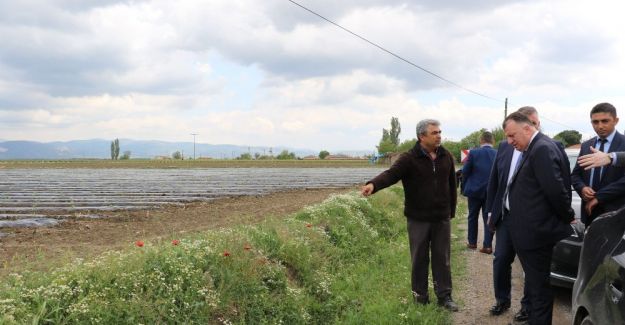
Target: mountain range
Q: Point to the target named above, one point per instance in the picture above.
(101, 149)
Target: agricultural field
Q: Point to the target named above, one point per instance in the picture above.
(47, 196)
(199, 163)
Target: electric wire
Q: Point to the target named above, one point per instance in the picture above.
(410, 62)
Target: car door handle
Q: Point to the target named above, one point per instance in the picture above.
(617, 293)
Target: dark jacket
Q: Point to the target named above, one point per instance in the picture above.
(540, 196)
(429, 185)
(476, 170)
(612, 186)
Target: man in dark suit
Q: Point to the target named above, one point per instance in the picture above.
(475, 173)
(601, 188)
(505, 161)
(536, 209)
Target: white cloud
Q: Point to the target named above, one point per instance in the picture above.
(269, 73)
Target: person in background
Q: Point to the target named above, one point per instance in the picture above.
(475, 173)
(429, 180)
(601, 188)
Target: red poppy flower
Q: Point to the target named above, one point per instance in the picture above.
(175, 242)
(309, 225)
(247, 247)
(226, 253)
(139, 243)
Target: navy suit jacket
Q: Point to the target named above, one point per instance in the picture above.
(611, 193)
(540, 196)
(476, 171)
(497, 183)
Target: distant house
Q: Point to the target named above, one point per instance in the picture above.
(339, 157)
(575, 146)
(311, 157)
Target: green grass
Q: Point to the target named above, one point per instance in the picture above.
(343, 261)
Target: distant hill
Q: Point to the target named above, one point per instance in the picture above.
(99, 148)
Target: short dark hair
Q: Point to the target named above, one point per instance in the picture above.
(487, 137)
(604, 108)
(517, 117)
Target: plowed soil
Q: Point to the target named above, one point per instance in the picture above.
(46, 247)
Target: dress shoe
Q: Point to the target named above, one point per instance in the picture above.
(471, 246)
(522, 315)
(499, 308)
(448, 303)
(486, 250)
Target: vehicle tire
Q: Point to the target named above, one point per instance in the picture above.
(586, 321)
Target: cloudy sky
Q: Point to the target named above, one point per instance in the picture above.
(269, 73)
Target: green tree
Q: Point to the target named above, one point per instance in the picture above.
(406, 145)
(125, 155)
(499, 135)
(568, 137)
(245, 156)
(472, 140)
(323, 154)
(286, 155)
(386, 146)
(115, 149)
(395, 131)
(390, 139)
(176, 155)
(453, 147)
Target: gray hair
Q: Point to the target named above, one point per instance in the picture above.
(527, 110)
(422, 126)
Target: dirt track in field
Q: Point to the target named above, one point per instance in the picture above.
(476, 294)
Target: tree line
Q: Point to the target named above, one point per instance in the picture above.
(390, 143)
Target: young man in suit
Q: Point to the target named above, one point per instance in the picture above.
(601, 188)
(536, 209)
(475, 173)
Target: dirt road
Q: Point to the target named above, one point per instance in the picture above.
(475, 292)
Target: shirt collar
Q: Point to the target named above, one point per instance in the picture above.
(609, 137)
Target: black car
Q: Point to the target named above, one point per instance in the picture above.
(565, 259)
(598, 293)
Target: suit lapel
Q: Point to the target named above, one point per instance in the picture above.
(525, 156)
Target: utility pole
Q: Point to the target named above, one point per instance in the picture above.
(505, 112)
(193, 134)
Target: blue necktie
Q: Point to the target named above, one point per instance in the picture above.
(596, 172)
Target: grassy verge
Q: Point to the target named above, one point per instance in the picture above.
(343, 261)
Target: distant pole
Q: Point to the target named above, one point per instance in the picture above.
(505, 112)
(193, 134)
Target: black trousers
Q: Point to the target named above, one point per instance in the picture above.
(502, 265)
(537, 266)
(430, 240)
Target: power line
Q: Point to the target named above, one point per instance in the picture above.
(412, 63)
(396, 55)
